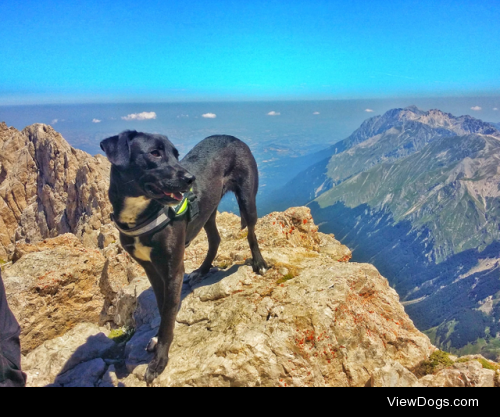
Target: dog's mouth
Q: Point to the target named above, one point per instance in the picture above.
(176, 196)
(156, 192)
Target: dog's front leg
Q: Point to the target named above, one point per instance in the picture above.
(170, 266)
(168, 314)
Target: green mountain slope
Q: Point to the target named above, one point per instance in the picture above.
(449, 187)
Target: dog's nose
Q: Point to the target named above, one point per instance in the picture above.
(189, 178)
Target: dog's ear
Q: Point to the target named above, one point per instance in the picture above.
(117, 148)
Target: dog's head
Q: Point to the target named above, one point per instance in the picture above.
(150, 163)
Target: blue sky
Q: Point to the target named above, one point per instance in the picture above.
(107, 51)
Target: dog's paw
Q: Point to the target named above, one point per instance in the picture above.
(199, 275)
(150, 376)
(151, 347)
(259, 267)
(155, 369)
(195, 277)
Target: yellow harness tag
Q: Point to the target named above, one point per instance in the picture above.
(182, 207)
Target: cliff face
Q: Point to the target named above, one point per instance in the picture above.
(48, 188)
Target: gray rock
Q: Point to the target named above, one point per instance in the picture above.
(109, 380)
(86, 374)
(135, 351)
(394, 375)
(465, 374)
(58, 356)
(147, 309)
(126, 302)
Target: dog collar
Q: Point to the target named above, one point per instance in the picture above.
(166, 215)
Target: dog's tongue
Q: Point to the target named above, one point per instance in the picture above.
(175, 196)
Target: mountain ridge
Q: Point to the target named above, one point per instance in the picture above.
(332, 169)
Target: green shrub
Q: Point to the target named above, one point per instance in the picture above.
(486, 364)
(121, 335)
(437, 361)
(286, 278)
(223, 265)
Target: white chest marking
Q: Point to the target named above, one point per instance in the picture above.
(132, 207)
(142, 252)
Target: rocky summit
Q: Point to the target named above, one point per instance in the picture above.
(87, 311)
(314, 319)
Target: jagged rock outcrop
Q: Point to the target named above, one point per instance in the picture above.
(48, 188)
(314, 319)
(57, 283)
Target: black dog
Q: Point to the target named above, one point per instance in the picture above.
(147, 180)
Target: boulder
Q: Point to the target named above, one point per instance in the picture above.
(57, 283)
(54, 362)
(393, 375)
(467, 372)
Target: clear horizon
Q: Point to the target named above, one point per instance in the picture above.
(150, 52)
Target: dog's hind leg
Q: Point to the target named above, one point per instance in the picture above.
(248, 212)
(213, 246)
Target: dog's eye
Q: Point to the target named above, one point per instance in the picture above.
(156, 153)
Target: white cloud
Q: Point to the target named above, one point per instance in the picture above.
(369, 110)
(140, 116)
(53, 122)
(209, 115)
(494, 108)
(96, 121)
(316, 112)
(476, 108)
(273, 113)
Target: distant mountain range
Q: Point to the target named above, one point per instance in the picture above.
(417, 193)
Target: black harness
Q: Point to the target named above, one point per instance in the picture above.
(187, 207)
